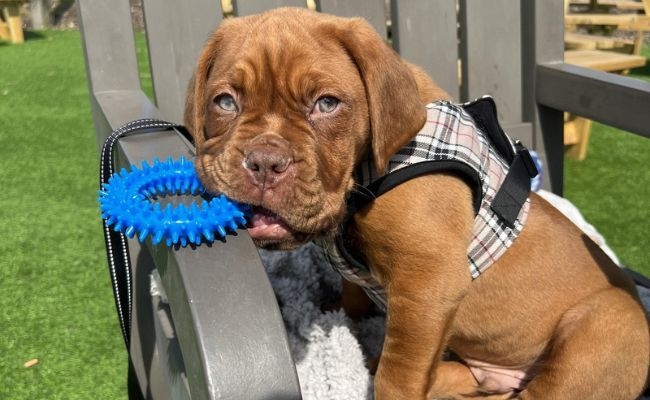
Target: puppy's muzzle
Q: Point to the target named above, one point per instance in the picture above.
(268, 161)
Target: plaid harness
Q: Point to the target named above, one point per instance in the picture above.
(466, 139)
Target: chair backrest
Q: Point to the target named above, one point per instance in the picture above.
(510, 49)
(491, 58)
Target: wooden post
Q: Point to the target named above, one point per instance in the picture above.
(4, 30)
(12, 16)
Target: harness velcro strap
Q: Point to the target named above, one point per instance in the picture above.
(117, 249)
(515, 188)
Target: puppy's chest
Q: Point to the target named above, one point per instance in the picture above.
(451, 141)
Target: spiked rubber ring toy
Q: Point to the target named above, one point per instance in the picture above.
(128, 203)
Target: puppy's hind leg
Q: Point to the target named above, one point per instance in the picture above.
(454, 380)
(600, 350)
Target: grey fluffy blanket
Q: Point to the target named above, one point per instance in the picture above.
(329, 349)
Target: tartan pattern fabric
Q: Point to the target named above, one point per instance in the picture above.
(358, 276)
(450, 134)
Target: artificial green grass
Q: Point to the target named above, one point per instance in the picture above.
(611, 187)
(56, 303)
(142, 55)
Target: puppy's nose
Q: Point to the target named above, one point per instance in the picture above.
(268, 161)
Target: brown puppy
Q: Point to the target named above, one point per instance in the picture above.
(283, 107)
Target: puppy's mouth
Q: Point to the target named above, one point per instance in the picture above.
(269, 230)
(267, 225)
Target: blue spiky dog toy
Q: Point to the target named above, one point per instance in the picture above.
(128, 204)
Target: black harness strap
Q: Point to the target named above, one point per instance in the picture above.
(515, 188)
(117, 249)
(361, 198)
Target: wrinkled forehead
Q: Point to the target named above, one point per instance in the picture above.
(296, 55)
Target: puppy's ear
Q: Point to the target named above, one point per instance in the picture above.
(395, 108)
(188, 111)
(195, 108)
(218, 44)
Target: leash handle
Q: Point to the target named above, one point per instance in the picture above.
(117, 249)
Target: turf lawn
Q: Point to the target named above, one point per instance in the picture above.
(56, 302)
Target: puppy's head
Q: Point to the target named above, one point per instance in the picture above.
(284, 104)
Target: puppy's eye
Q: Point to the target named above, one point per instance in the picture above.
(226, 102)
(326, 105)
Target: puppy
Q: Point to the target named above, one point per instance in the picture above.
(290, 107)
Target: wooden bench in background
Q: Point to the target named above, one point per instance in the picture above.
(12, 26)
(637, 21)
(601, 52)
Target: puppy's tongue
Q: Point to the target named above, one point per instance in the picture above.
(265, 225)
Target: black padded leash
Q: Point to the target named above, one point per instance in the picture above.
(117, 249)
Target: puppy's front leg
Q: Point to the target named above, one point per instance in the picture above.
(418, 251)
(419, 314)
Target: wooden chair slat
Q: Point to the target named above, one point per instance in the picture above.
(175, 37)
(248, 7)
(491, 54)
(372, 10)
(425, 33)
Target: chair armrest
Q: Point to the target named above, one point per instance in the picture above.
(612, 99)
(224, 312)
(226, 318)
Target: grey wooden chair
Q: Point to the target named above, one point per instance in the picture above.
(220, 334)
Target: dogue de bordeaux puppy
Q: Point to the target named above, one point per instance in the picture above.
(287, 106)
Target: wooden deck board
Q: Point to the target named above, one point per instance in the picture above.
(581, 41)
(622, 21)
(607, 61)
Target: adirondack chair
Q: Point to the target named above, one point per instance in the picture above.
(220, 332)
